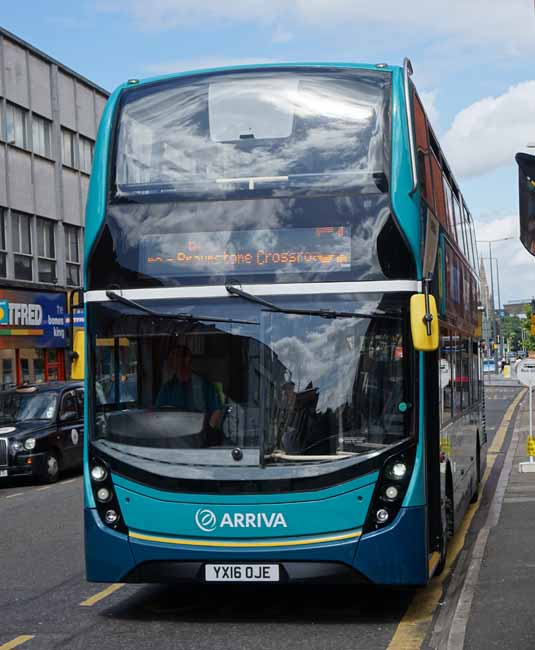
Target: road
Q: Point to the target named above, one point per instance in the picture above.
(45, 602)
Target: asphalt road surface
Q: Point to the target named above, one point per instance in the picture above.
(46, 603)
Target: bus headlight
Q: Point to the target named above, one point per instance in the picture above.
(111, 517)
(103, 495)
(29, 444)
(106, 501)
(390, 490)
(397, 471)
(382, 516)
(99, 473)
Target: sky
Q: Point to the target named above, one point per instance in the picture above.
(472, 59)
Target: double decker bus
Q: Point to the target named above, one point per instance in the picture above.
(271, 252)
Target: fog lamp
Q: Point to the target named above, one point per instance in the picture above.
(103, 495)
(98, 473)
(382, 516)
(111, 517)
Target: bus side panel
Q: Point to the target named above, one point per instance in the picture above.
(396, 555)
(108, 556)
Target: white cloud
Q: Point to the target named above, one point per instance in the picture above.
(487, 134)
(515, 266)
(509, 23)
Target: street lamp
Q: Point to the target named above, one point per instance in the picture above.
(490, 242)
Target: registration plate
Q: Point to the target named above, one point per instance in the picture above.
(241, 573)
(3, 473)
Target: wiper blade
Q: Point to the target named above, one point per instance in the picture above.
(189, 318)
(322, 313)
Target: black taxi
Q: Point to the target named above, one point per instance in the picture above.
(41, 430)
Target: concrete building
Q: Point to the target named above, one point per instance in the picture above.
(49, 116)
(517, 308)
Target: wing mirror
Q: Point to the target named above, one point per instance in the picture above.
(424, 322)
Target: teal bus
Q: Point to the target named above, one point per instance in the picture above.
(282, 359)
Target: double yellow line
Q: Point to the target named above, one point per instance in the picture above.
(414, 626)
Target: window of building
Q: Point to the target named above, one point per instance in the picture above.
(68, 139)
(46, 263)
(3, 246)
(21, 230)
(72, 246)
(86, 155)
(41, 136)
(17, 126)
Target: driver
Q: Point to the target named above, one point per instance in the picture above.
(187, 391)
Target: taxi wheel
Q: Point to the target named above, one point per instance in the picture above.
(51, 474)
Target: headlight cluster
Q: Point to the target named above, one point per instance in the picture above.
(389, 491)
(21, 445)
(105, 498)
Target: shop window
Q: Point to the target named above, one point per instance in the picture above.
(68, 142)
(41, 140)
(46, 263)
(8, 377)
(3, 247)
(32, 365)
(17, 126)
(86, 155)
(72, 248)
(22, 245)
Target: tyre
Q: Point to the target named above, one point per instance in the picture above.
(447, 532)
(475, 496)
(52, 468)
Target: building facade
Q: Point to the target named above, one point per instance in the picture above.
(49, 117)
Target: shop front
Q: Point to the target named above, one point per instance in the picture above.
(33, 337)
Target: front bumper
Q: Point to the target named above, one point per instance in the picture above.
(396, 555)
(24, 464)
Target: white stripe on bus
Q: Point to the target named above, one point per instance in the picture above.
(296, 288)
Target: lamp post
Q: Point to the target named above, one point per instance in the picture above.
(490, 258)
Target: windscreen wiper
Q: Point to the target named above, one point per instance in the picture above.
(189, 318)
(322, 313)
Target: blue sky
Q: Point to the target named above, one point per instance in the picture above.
(473, 62)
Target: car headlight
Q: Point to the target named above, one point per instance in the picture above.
(29, 444)
(17, 445)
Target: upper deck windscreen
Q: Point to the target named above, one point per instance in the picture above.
(274, 131)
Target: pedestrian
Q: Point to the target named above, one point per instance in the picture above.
(515, 365)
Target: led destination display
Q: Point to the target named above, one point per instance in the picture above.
(291, 250)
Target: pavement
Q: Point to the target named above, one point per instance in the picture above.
(501, 615)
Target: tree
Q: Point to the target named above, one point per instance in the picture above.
(529, 339)
(511, 330)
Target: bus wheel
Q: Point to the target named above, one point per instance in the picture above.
(447, 527)
(51, 472)
(475, 496)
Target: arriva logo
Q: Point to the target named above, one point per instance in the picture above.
(206, 520)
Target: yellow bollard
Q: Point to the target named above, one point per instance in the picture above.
(507, 370)
(530, 445)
